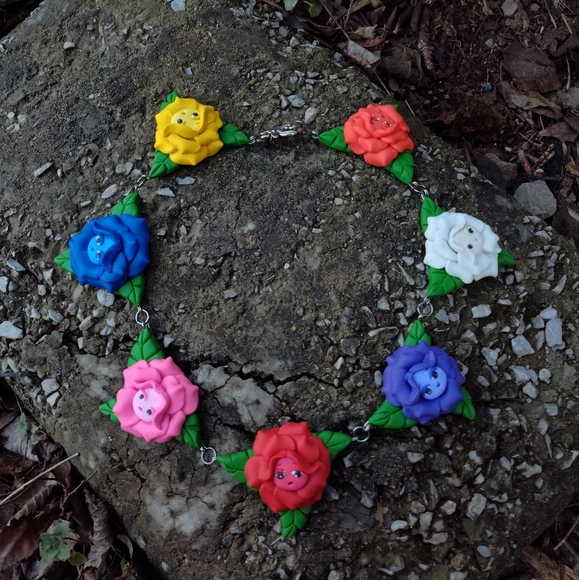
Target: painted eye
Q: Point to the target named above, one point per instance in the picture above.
(376, 117)
(179, 121)
(194, 114)
(279, 475)
(427, 391)
(469, 246)
(149, 412)
(470, 231)
(434, 374)
(141, 396)
(387, 123)
(297, 473)
(99, 254)
(98, 240)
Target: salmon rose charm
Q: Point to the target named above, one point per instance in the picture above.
(380, 134)
(289, 466)
(188, 132)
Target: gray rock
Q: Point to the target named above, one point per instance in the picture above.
(10, 331)
(569, 97)
(536, 198)
(481, 311)
(476, 506)
(530, 390)
(49, 386)
(105, 298)
(521, 346)
(554, 333)
(16, 266)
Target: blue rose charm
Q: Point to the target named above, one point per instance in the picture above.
(423, 380)
(110, 250)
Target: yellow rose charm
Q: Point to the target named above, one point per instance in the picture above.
(187, 131)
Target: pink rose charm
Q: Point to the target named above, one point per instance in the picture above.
(155, 400)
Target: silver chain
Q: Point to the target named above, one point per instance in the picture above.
(285, 131)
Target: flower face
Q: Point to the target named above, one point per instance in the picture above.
(462, 245)
(110, 250)
(187, 131)
(379, 133)
(155, 400)
(290, 467)
(423, 380)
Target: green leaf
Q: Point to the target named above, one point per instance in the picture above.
(107, 410)
(440, 283)
(428, 209)
(52, 545)
(162, 165)
(235, 464)
(292, 521)
(146, 348)
(334, 139)
(506, 258)
(335, 442)
(191, 431)
(416, 334)
(131, 205)
(465, 408)
(133, 290)
(390, 417)
(403, 167)
(289, 4)
(63, 260)
(232, 136)
(22, 426)
(76, 559)
(170, 98)
(316, 7)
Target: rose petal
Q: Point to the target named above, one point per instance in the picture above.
(382, 158)
(123, 408)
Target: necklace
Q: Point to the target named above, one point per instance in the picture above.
(288, 465)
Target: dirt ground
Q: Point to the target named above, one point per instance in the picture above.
(495, 79)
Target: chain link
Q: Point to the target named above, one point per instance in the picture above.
(285, 131)
(208, 455)
(365, 435)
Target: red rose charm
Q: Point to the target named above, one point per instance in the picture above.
(289, 467)
(379, 133)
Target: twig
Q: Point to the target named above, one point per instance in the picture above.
(567, 534)
(17, 491)
(64, 500)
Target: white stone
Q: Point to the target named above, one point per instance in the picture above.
(165, 192)
(414, 457)
(554, 333)
(230, 293)
(105, 298)
(3, 284)
(530, 390)
(43, 169)
(53, 399)
(9, 331)
(16, 266)
(109, 191)
(178, 5)
(491, 355)
(476, 506)
(545, 375)
(437, 538)
(49, 386)
(510, 7)
(529, 470)
(68, 45)
(399, 525)
(521, 346)
(448, 507)
(310, 115)
(548, 313)
(484, 551)
(296, 101)
(481, 311)
(185, 181)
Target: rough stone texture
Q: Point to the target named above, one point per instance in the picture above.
(536, 198)
(316, 283)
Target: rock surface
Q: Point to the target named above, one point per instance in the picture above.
(281, 302)
(536, 198)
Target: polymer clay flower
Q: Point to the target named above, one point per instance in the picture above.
(155, 400)
(289, 467)
(110, 250)
(424, 380)
(379, 133)
(187, 131)
(462, 245)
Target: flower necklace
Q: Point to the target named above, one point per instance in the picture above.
(288, 465)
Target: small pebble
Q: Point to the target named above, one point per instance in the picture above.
(548, 313)
(16, 266)
(3, 284)
(491, 355)
(230, 293)
(165, 192)
(185, 181)
(43, 169)
(521, 346)
(10, 331)
(545, 375)
(484, 551)
(399, 525)
(554, 333)
(86, 323)
(296, 101)
(414, 457)
(481, 311)
(476, 506)
(109, 191)
(530, 390)
(55, 316)
(49, 386)
(448, 507)
(105, 298)
(68, 45)
(310, 115)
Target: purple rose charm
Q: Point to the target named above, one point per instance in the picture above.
(423, 380)
(110, 250)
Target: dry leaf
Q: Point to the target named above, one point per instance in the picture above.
(561, 131)
(103, 533)
(33, 497)
(359, 54)
(529, 101)
(363, 33)
(531, 69)
(381, 511)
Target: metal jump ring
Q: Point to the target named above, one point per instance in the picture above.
(208, 460)
(365, 429)
(144, 323)
(425, 309)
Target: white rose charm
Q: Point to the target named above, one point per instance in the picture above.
(459, 249)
